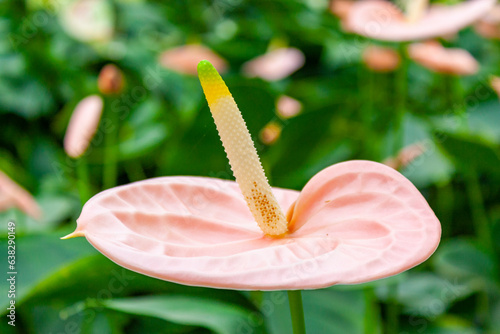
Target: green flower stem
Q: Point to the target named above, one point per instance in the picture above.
(372, 314)
(479, 215)
(401, 90)
(110, 168)
(297, 311)
(83, 182)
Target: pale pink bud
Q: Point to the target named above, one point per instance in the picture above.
(275, 65)
(83, 125)
(110, 80)
(288, 107)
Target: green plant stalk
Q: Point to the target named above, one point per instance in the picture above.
(110, 168)
(372, 314)
(402, 92)
(297, 311)
(476, 201)
(392, 323)
(83, 181)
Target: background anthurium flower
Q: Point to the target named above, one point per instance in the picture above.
(381, 19)
(83, 125)
(437, 58)
(353, 222)
(13, 195)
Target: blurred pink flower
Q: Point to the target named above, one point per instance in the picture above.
(88, 20)
(405, 156)
(110, 80)
(13, 195)
(83, 125)
(288, 107)
(489, 25)
(353, 222)
(184, 59)
(380, 19)
(275, 65)
(435, 57)
(381, 59)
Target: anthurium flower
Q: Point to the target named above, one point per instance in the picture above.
(13, 195)
(353, 222)
(437, 58)
(489, 25)
(184, 59)
(381, 19)
(83, 125)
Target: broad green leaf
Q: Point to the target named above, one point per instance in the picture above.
(217, 316)
(37, 257)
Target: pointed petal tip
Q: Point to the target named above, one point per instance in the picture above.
(73, 235)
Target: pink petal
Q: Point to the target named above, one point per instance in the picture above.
(380, 19)
(13, 195)
(380, 223)
(83, 125)
(275, 65)
(184, 59)
(435, 57)
(198, 231)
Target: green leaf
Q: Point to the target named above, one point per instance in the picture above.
(37, 257)
(460, 259)
(217, 316)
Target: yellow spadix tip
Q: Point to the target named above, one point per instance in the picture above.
(211, 82)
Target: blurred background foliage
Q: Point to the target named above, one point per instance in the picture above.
(47, 65)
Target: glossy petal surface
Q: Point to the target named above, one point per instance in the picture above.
(380, 19)
(353, 222)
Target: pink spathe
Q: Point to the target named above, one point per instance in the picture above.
(184, 59)
(275, 65)
(353, 222)
(380, 19)
(437, 58)
(83, 125)
(13, 195)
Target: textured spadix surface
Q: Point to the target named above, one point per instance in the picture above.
(380, 19)
(353, 222)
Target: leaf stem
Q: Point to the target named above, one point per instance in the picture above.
(297, 311)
